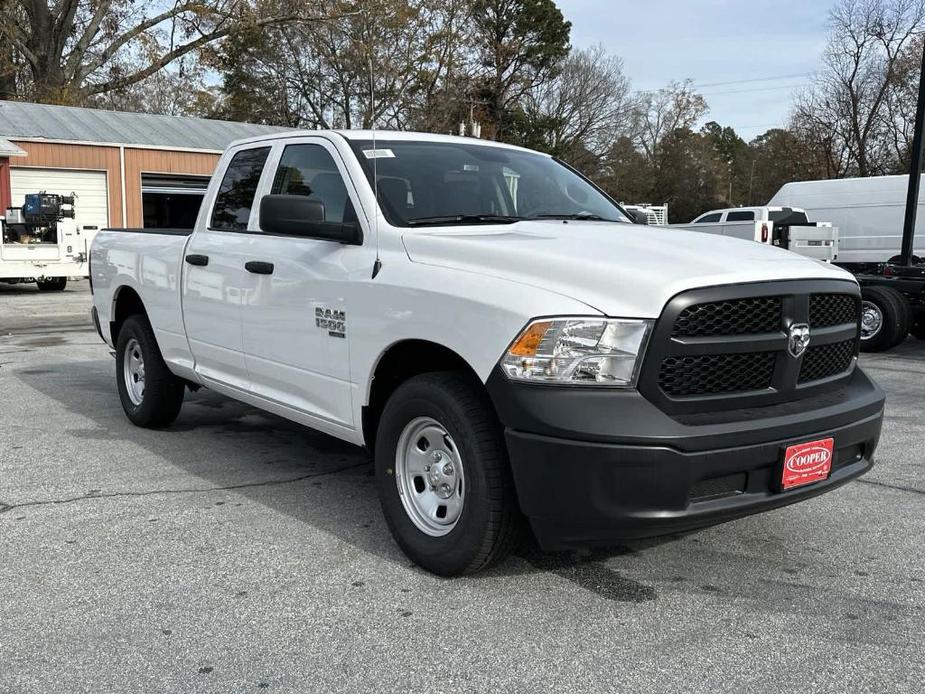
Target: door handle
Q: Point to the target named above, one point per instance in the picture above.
(258, 267)
(194, 259)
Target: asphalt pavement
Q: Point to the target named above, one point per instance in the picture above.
(237, 552)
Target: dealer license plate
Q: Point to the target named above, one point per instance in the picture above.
(806, 463)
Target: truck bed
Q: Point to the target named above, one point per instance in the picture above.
(148, 261)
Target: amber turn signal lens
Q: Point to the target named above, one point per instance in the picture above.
(529, 341)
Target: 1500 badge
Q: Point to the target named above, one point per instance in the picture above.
(332, 320)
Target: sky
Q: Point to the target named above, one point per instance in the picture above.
(725, 46)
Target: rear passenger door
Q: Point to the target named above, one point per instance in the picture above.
(213, 272)
(296, 317)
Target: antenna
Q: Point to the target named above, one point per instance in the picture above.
(377, 265)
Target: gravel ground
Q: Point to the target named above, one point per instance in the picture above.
(238, 552)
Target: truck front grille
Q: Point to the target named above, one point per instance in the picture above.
(825, 361)
(736, 317)
(709, 374)
(832, 309)
(724, 348)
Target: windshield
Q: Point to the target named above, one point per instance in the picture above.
(432, 183)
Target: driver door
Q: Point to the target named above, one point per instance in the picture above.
(296, 316)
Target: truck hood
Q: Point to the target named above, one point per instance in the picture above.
(623, 270)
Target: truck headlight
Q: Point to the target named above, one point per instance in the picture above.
(578, 351)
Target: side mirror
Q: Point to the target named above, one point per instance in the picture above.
(639, 217)
(298, 215)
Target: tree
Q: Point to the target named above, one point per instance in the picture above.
(780, 156)
(853, 110)
(578, 115)
(731, 159)
(520, 45)
(661, 113)
(626, 174)
(686, 174)
(71, 50)
(386, 62)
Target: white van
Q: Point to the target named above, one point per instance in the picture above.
(868, 212)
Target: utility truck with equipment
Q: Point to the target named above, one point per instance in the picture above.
(41, 242)
(513, 350)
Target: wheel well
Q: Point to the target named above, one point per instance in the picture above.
(128, 303)
(402, 361)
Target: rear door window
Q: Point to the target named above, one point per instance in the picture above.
(232, 209)
(744, 216)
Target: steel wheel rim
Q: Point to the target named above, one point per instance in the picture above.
(133, 372)
(430, 477)
(871, 320)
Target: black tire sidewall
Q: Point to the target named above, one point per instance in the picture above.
(455, 552)
(895, 313)
(163, 391)
(56, 284)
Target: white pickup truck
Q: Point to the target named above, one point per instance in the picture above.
(493, 328)
(783, 227)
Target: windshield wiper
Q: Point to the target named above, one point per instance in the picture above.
(583, 216)
(463, 219)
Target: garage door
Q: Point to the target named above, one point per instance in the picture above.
(91, 207)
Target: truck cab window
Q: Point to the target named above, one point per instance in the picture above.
(743, 216)
(708, 219)
(310, 170)
(235, 197)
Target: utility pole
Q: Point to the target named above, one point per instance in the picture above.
(915, 172)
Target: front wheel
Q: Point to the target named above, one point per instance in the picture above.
(443, 477)
(151, 395)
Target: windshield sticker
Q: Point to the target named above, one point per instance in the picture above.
(470, 167)
(379, 153)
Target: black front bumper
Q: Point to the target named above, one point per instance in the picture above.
(593, 467)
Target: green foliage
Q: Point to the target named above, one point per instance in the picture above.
(520, 45)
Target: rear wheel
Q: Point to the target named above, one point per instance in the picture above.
(52, 284)
(443, 475)
(885, 318)
(151, 395)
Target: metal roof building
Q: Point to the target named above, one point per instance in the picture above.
(127, 169)
(42, 121)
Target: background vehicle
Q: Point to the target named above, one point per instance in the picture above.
(867, 211)
(656, 215)
(42, 242)
(784, 227)
(869, 214)
(501, 335)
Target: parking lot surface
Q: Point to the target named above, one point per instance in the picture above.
(237, 552)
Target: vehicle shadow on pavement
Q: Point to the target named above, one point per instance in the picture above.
(313, 478)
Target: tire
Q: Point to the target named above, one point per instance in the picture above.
(53, 284)
(886, 318)
(157, 403)
(482, 520)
